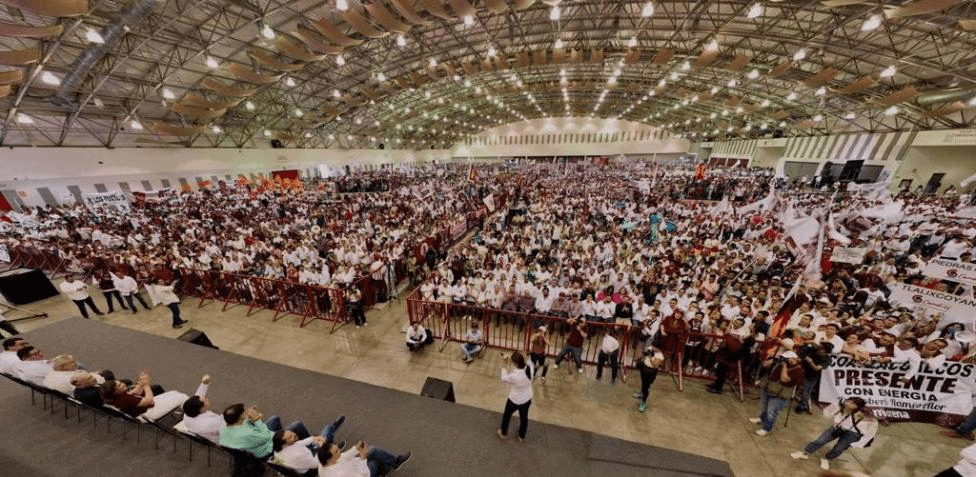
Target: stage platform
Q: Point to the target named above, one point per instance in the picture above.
(447, 439)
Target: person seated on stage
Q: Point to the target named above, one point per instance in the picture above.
(418, 337)
(360, 461)
(8, 357)
(247, 432)
(64, 367)
(142, 399)
(197, 416)
(299, 454)
(87, 388)
(472, 343)
(33, 367)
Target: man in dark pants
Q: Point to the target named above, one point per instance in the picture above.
(734, 351)
(77, 291)
(109, 291)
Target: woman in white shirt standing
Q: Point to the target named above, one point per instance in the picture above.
(519, 376)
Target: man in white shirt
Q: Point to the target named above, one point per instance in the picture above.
(64, 367)
(360, 461)
(129, 289)
(294, 452)
(197, 416)
(33, 367)
(609, 352)
(9, 362)
(472, 342)
(418, 337)
(77, 291)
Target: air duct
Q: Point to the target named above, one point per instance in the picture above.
(945, 96)
(132, 15)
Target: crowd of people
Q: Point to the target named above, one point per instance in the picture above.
(742, 278)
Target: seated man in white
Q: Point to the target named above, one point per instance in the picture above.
(294, 452)
(418, 337)
(360, 461)
(33, 367)
(197, 416)
(473, 341)
(9, 362)
(64, 367)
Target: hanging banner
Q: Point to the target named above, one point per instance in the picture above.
(489, 201)
(853, 255)
(119, 200)
(157, 196)
(4, 254)
(456, 227)
(912, 296)
(941, 395)
(952, 270)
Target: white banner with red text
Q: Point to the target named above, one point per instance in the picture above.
(952, 270)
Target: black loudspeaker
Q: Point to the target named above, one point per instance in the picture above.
(196, 337)
(382, 146)
(276, 144)
(851, 170)
(438, 389)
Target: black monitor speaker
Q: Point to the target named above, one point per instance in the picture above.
(276, 144)
(382, 146)
(196, 337)
(438, 389)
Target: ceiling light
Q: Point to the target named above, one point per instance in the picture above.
(98, 103)
(289, 82)
(632, 42)
(648, 9)
(266, 133)
(299, 113)
(753, 74)
(401, 40)
(308, 135)
(872, 23)
(554, 13)
(733, 83)
(267, 32)
(467, 83)
(892, 111)
(24, 119)
(818, 118)
(782, 124)
(249, 105)
(755, 10)
(336, 93)
(94, 37)
(340, 60)
(712, 45)
(764, 126)
(849, 116)
(685, 66)
(212, 63)
(468, 20)
(432, 62)
(800, 55)
(791, 97)
(714, 89)
(491, 51)
(50, 78)
(380, 76)
(888, 72)
(821, 91)
(342, 5)
(216, 129)
(168, 94)
(135, 125)
(765, 103)
(559, 43)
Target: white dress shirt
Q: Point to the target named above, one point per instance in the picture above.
(34, 371)
(348, 465)
(298, 456)
(520, 391)
(208, 423)
(9, 362)
(76, 290)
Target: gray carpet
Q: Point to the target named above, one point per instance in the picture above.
(447, 439)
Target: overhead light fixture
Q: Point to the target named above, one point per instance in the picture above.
(685, 66)
(212, 63)
(888, 72)
(892, 111)
(249, 106)
(342, 5)
(24, 119)
(714, 89)
(849, 116)
(467, 83)
(308, 135)
(972, 102)
(93, 36)
(791, 97)
(712, 45)
(216, 129)
(135, 125)
(266, 133)
(764, 104)
(753, 74)
(468, 20)
(800, 55)
(648, 9)
(554, 13)
(821, 91)
(632, 42)
(432, 62)
(336, 93)
(818, 118)
(267, 32)
(872, 23)
(733, 83)
(380, 76)
(782, 124)
(755, 10)
(340, 60)
(49, 78)
(401, 40)
(299, 113)
(98, 103)
(559, 43)
(168, 94)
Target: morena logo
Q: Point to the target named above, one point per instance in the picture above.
(917, 298)
(952, 273)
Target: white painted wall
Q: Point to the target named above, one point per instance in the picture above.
(920, 162)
